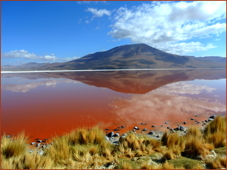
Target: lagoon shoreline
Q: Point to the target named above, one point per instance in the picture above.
(130, 147)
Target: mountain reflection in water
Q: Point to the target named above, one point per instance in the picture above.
(57, 102)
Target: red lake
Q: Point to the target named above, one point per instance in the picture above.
(48, 104)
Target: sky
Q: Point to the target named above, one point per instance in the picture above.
(60, 31)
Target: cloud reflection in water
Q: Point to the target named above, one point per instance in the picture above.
(170, 102)
(34, 84)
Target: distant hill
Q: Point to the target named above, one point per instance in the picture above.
(135, 56)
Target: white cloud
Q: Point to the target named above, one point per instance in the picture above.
(99, 13)
(31, 56)
(168, 26)
(71, 58)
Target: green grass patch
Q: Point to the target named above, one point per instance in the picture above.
(187, 163)
(221, 150)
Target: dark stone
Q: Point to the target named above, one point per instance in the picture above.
(151, 133)
(38, 145)
(153, 126)
(106, 129)
(182, 128)
(177, 128)
(110, 134)
(206, 120)
(39, 141)
(116, 135)
(136, 128)
(122, 126)
(192, 119)
(116, 129)
(168, 127)
(184, 123)
(212, 117)
(165, 122)
(157, 136)
(145, 129)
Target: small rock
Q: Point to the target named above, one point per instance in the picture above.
(151, 133)
(136, 128)
(8, 136)
(184, 123)
(168, 127)
(106, 129)
(177, 128)
(110, 167)
(165, 122)
(192, 119)
(33, 143)
(153, 126)
(107, 138)
(116, 129)
(40, 152)
(212, 117)
(116, 135)
(122, 126)
(145, 129)
(112, 138)
(182, 128)
(39, 141)
(38, 145)
(110, 134)
(157, 136)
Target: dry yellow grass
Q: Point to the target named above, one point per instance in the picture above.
(83, 149)
(217, 163)
(167, 165)
(12, 147)
(169, 155)
(215, 132)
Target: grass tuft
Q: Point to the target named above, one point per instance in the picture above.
(15, 146)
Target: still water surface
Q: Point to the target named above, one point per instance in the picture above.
(48, 104)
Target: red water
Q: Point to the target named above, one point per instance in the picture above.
(45, 111)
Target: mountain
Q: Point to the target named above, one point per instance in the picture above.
(27, 66)
(136, 56)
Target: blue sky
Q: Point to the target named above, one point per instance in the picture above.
(59, 31)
